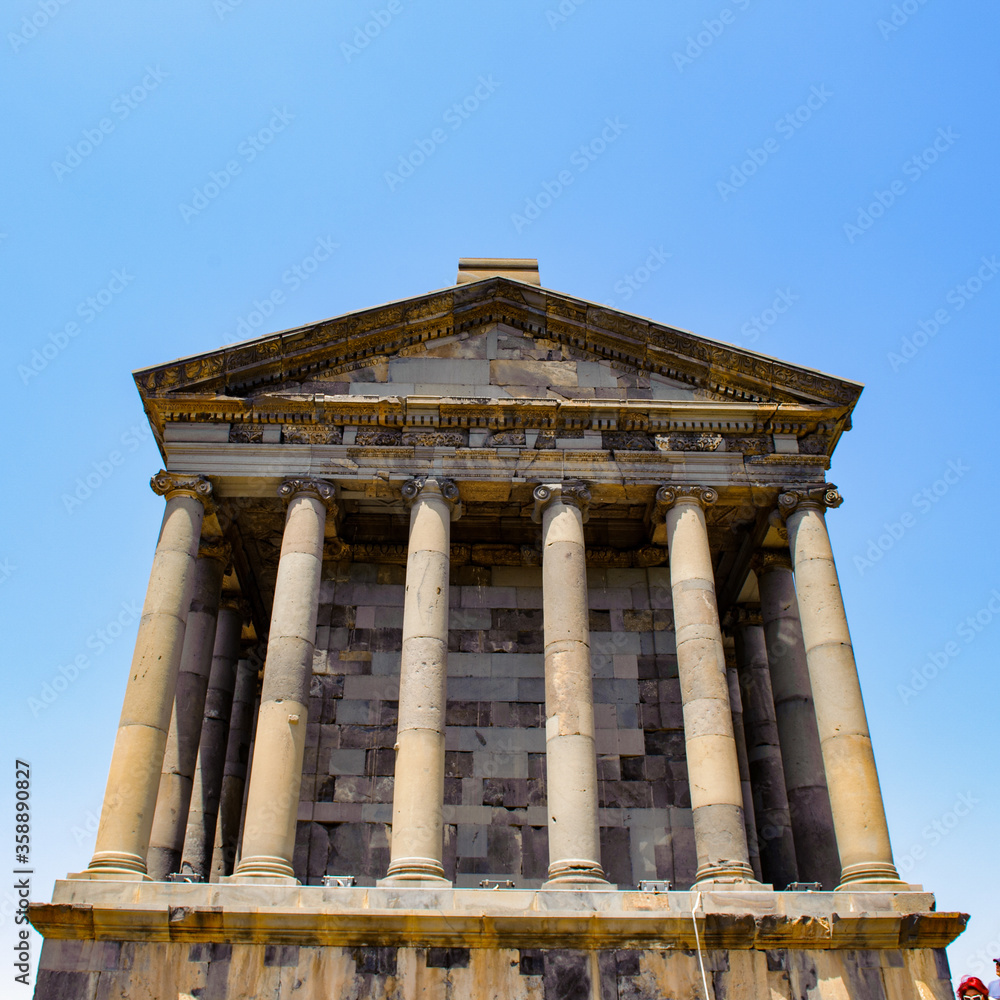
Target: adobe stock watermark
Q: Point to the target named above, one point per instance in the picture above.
(37, 21)
(923, 502)
(247, 151)
(581, 158)
(629, 284)
(104, 468)
(563, 12)
(7, 569)
(937, 830)
(711, 29)
(937, 660)
(787, 126)
(958, 298)
(121, 108)
(97, 642)
(292, 279)
(898, 17)
(914, 169)
(752, 329)
(366, 33)
(88, 310)
(454, 117)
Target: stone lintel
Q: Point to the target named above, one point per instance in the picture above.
(484, 918)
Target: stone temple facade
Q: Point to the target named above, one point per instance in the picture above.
(493, 647)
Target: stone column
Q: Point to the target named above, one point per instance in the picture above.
(181, 755)
(199, 836)
(855, 795)
(418, 789)
(276, 773)
(801, 756)
(767, 777)
(239, 748)
(736, 705)
(712, 763)
(137, 758)
(570, 752)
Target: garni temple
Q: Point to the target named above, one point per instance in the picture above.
(493, 647)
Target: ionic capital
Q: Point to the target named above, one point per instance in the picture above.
(318, 489)
(431, 488)
(573, 493)
(668, 496)
(235, 602)
(768, 559)
(169, 484)
(747, 614)
(816, 497)
(215, 548)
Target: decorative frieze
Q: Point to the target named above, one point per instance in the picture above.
(311, 434)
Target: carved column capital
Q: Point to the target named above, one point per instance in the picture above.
(573, 493)
(747, 614)
(818, 497)
(169, 484)
(215, 548)
(236, 602)
(316, 488)
(768, 559)
(428, 487)
(668, 496)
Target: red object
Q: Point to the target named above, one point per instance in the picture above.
(971, 983)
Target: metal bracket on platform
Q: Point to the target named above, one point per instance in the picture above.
(339, 881)
(491, 884)
(654, 885)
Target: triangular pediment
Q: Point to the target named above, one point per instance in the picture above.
(495, 338)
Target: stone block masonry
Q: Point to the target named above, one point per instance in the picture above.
(495, 788)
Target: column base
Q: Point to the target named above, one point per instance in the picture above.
(249, 879)
(730, 885)
(264, 869)
(729, 873)
(575, 871)
(115, 866)
(428, 870)
(110, 875)
(874, 877)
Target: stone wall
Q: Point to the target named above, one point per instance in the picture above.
(87, 970)
(494, 812)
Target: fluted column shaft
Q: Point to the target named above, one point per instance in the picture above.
(276, 772)
(712, 763)
(855, 795)
(570, 750)
(137, 758)
(181, 754)
(234, 775)
(417, 849)
(767, 777)
(801, 755)
(199, 835)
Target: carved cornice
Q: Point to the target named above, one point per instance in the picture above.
(357, 339)
(817, 497)
(573, 493)
(169, 484)
(431, 488)
(316, 488)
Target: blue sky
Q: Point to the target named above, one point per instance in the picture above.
(171, 171)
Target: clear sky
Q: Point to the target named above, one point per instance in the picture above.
(816, 182)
